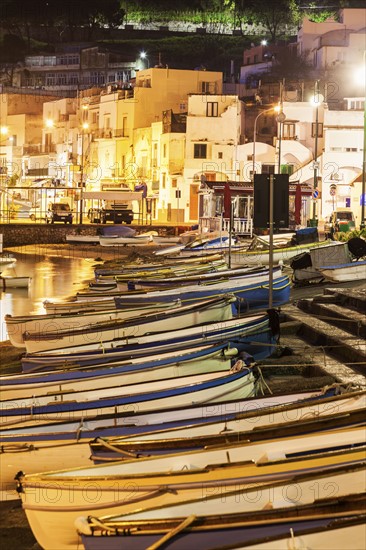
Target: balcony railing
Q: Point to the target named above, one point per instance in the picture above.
(241, 226)
(109, 133)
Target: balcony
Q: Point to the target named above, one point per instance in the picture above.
(109, 133)
(31, 149)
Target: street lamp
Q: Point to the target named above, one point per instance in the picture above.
(84, 127)
(362, 77)
(276, 109)
(143, 55)
(316, 101)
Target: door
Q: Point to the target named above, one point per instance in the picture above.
(193, 203)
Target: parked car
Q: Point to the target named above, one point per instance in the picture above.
(59, 212)
(341, 220)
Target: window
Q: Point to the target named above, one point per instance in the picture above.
(219, 155)
(200, 151)
(174, 182)
(163, 180)
(164, 150)
(313, 129)
(124, 127)
(288, 130)
(212, 108)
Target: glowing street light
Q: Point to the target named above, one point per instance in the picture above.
(143, 55)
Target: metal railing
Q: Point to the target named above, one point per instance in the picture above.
(240, 226)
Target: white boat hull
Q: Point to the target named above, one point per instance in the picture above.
(39, 341)
(353, 271)
(7, 281)
(105, 490)
(18, 325)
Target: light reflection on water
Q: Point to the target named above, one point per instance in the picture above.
(53, 277)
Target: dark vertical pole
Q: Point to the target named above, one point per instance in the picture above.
(270, 266)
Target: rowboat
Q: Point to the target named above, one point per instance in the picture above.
(119, 240)
(203, 311)
(7, 260)
(66, 444)
(18, 325)
(179, 439)
(178, 363)
(218, 530)
(112, 268)
(201, 245)
(182, 391)
(82, 239)
(122, 487)
(259, 332)
(10, 281)
(351, 271)
(137, 282)
(251, 291)
(258, 252)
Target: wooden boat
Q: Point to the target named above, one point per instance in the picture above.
(259, 332)
(181, 391)
(121, 240)
(252, 287)
(112, 268)
(352, 271)
(251, 291)
(179, 439)
(177, 271)
(66, 444)
(10, 281)
(130, 423)
(219, 530)
(257, 252)
(203, 311)
(122, 487)
(345, 533)
(172, 364)
(18, 325)
(82, 239)
(201, 245)
(7, 260)
(137, 283)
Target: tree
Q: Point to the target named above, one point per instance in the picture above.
(274, 16)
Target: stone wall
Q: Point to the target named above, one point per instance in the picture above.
(20, 234)
(23, 234)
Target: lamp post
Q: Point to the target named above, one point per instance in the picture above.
(276, 109)
(316, 101)
(84, 127)
(363, 185)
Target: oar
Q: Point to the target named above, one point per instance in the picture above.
(173, 532)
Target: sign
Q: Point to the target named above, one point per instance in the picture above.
(316, 194)
(333, 190)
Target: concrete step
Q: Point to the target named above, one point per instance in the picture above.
(334, 341)
(337, 315)
(348, 297)
(327, 365)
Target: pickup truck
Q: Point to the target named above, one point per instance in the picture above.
(112, 211)
(339, 221)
